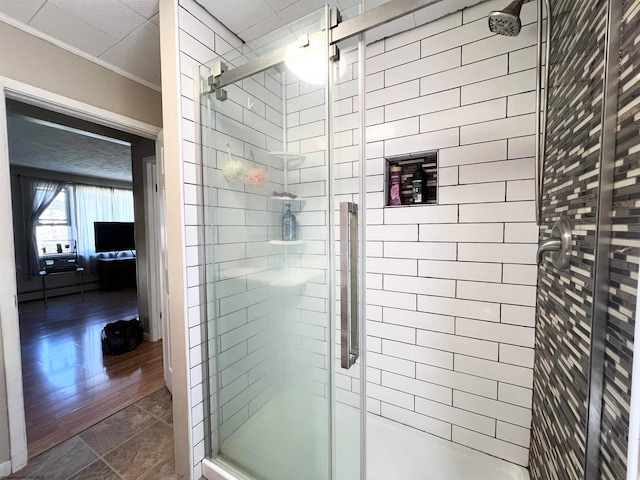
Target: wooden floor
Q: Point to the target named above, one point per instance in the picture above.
(68, 384)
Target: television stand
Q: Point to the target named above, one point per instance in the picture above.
(117, 273)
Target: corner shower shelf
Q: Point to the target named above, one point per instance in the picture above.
(287, 242)
(288, 156)
(286, 199)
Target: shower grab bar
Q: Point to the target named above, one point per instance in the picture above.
(349, 324)
(541, 136)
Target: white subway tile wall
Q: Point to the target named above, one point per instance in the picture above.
(450, 313)
(346, 155)
(450, 342)
(197, 40)
(244, 221)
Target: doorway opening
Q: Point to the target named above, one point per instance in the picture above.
(91, 173)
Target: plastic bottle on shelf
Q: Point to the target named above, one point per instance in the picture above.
(289, 225)
(419, 185)
(395, 180)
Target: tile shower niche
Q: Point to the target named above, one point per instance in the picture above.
(406, 166)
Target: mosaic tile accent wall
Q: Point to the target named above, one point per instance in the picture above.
(561, 365)
(624, 255)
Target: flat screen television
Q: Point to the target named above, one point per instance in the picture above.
(114, 236)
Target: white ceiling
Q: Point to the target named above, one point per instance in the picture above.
(123, 33)
(126, 35)
(35, 145)
(257, 17)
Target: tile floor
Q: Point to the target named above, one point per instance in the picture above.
(134, 444)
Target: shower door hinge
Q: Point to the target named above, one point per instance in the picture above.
(334, 18)
(217, 69)
(334, 53)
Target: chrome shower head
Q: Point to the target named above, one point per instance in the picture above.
(507, 21)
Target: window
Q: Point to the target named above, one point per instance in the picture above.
(54, 226)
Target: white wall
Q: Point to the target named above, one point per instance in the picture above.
(451, 287)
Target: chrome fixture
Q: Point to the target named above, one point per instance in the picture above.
(507, 21)
(559, 244)
(338, 31)
(541, 120)
(349, 325)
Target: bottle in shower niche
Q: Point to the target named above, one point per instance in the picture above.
(419, 185)
(289, 225)
(395, 179)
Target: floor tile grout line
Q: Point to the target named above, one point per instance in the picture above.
(164, 459)
(99, 459)
(154, 466)
(148, 411)
(112, 469)
(36, 473)
(170, 425)
(155, 418)
(133, 435)
(102, 458)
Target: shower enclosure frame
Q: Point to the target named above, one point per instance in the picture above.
(603, 241)
(337, 32)
(221, 467)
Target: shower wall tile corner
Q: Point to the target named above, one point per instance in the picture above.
(451, 287)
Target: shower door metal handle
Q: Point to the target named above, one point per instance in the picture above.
(349, 324)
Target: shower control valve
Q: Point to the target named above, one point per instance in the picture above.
(559, 244)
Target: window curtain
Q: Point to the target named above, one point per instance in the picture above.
(37, 195)
(98, 204)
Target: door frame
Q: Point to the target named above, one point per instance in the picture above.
(151, 226)
(156, 270)
(9, 321)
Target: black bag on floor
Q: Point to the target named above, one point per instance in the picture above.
(121, 336)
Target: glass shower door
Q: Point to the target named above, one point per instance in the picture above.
(270, 272)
